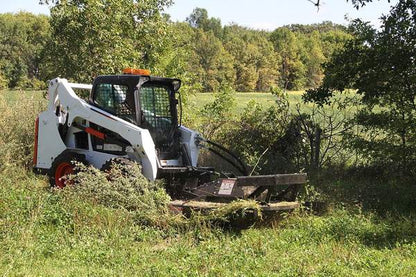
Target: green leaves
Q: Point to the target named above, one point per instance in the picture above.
(22, 40)
(380, 66)
(95, 37)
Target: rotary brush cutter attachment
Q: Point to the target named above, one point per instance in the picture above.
(272, 192)
(204, 189)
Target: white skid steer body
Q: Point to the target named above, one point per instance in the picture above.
(69, 124)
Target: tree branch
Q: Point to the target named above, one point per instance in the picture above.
(317, 3)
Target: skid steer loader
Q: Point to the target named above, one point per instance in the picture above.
(133, 117)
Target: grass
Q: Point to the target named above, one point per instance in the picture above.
(266, 99)
(13, 95)
(47, 232)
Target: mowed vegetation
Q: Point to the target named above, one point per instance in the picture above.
(49, 232)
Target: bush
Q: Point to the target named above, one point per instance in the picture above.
(147, 202)
(218, 115)
(3, 81)
(266, 138)
(31, 83)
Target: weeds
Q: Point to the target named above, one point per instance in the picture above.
(17, 121)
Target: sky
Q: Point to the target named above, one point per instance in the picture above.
(257, 14)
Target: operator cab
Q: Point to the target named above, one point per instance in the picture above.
(146, 101)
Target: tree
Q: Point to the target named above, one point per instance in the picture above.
(214, 65)
(380, 66)
(333, 40)
(313, 59)
(23, 37)
(323, 27)
(178, 58)
(92, 37)
(255, 61)
(199, 19)
(292, 69)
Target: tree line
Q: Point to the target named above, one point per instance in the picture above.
(79, 42)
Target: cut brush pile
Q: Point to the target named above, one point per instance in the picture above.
(124, 187)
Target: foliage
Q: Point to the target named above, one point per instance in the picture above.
(199, 19)
(49, 233)
(97, 231)
(119, 225)
(323, 27)
(255, 62)
(23, 39)
(323, 132)
(379, 64)
(264, 138)
(292, 69)
(82, 39)
(92, 37)
(213, 64)
(313, 60)
(3, 81)
(260, 133)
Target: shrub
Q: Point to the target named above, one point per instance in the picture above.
(147, 202)
(218, 115)
(265, 137)
(30, 83)
(3, 81)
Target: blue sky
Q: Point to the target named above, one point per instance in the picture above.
(260, 14)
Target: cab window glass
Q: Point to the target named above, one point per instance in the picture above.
(113, 98)
(155, 106)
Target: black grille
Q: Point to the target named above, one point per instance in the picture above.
(113, 98)
(158, 118)
(156, 107)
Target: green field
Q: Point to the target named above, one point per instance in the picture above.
(242, 99)
(14, 95)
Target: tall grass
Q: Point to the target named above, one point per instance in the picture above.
(17, 123)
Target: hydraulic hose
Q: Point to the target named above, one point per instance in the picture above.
(240, 166)
(229, 152)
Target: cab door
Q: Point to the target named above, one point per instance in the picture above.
(159, 116)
